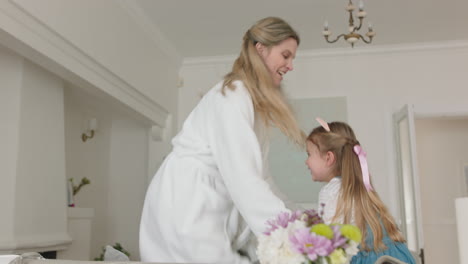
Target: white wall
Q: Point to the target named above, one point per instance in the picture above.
(442, 146)
(42, 123)
(9, 128)
(41, 159)
(127, 182)
(89, 159)
(32, 189)
(376, 82)
(116, 162)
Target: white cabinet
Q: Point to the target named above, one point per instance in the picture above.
(79, 228)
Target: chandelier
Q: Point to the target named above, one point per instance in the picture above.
(353, 36)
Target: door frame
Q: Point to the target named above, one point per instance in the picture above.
(407, 111)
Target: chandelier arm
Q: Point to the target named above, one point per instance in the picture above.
(360, 24)
(366, 41)
(351, 20)
(333, 41)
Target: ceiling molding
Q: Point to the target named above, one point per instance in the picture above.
(384, 49)
(25, 34)
(208, 60)
(340, 52)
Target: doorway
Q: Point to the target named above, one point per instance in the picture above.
(432, 153)
(442, 147)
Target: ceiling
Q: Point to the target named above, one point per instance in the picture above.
(215, 27)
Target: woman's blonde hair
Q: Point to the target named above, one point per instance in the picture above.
(268, 99)
(354, 200)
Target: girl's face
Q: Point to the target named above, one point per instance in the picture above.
(278, 59)
(318, 164)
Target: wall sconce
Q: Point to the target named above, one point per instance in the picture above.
(91, 126)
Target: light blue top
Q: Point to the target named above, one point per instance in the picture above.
(397, 250)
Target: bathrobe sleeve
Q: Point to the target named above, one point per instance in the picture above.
(237, 152)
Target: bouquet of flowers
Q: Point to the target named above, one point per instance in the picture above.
(302, 237)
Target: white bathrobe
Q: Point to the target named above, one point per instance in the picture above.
(212, 190)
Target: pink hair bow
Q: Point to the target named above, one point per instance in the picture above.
(362, 155)
(323, 124)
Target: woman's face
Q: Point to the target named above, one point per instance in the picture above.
(278, 59)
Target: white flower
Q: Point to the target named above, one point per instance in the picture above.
(276, 248)
(352, 249)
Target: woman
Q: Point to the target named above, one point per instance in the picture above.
(211, 192)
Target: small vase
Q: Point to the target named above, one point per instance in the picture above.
(71, 202)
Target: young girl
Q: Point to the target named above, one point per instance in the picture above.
(335, 156)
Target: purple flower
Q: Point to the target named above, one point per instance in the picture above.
(338, 239)
(312, 217)
(305, 242)
(283, 219)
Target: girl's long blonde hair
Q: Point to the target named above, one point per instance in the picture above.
(354, 200)
(268, 99)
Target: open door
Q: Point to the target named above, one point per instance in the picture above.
(408, 180)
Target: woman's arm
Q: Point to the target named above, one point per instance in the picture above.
(238, 155)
